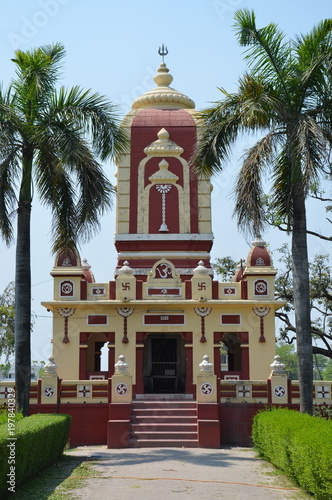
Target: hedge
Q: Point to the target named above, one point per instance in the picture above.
(30, 445)
(298, 444)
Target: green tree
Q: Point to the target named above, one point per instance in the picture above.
(225, 267)
(4, 370)
(288, 356)
(286, 98)
(52, 141)
(320, 284)
(7, 309)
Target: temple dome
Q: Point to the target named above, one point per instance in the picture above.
(259, 256)
(163, 96)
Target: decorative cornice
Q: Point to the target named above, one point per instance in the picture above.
(168, 237)
(166, 96)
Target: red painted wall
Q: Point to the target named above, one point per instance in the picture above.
(89, 421)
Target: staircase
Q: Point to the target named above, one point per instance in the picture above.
(163, 423)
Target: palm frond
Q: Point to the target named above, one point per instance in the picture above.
(267, 53)
(57, 191)
(95, 197)
(8, 200)
(249, 190)
(313, 149)
(314, 56)
(96, 115)
(37, 72)
(65, 155)
(255, 107)
(281, 197)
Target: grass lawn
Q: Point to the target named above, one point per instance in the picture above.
(56, 481)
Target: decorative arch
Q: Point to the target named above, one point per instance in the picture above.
(164, 148)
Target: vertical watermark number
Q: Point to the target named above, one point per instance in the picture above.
(11, 445)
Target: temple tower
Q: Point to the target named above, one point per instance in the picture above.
(163, 210)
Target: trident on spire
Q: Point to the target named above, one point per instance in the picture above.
(163, 51)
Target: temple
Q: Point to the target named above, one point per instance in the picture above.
(163, 312)
(163, 354)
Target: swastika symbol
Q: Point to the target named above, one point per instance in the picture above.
(125, 286)
(202, 286)
(49, 391)
(279, 391)
(206, 389)
(121, 389)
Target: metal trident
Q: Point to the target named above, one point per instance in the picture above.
(163, 51)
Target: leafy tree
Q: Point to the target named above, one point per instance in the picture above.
(288, 356)
(7, 308)
(225, 267)
(286, 98)
(282, 224)
(327, 374)
(320, 281)
(4, 370)
(51, 143)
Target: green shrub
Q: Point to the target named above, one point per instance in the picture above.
(4, 415)
(33, 444)
(299, 445)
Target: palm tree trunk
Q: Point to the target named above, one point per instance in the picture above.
(23, 308)
(302, 299)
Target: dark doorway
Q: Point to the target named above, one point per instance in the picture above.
(164, 364)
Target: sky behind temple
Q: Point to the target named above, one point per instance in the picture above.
(112, 47)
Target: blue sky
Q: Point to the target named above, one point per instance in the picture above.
(112, 48)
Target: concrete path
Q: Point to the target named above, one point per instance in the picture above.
(182, 473)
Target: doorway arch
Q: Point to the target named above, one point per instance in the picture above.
(164, 367)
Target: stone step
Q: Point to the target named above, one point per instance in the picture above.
(164, 443)
(163, 419)
(164, 424)
(164, 404)
(153, 436)
(164, 397)
(157, 427)
(164, 412)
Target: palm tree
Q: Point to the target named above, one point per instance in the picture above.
(51, 142)
(286, 98)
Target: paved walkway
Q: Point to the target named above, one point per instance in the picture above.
(182, 473)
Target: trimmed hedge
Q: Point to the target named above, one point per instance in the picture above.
(298, 444)
(40, 441)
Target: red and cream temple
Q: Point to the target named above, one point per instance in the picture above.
(173, 332)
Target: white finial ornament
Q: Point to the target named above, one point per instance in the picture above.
(201, 269)
(86, 265)
(278, 368)
(50, 368)
(121, 367)
(206, 366)
(126, 269)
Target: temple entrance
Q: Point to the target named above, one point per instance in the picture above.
(164, 364)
